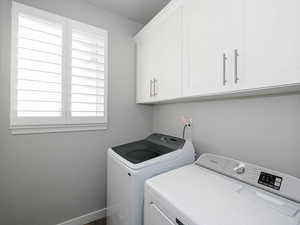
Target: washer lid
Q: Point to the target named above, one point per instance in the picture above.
(153, 146)
(140, 151)
(202, 197)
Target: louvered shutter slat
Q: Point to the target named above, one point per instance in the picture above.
(38, 55)
(38, 96)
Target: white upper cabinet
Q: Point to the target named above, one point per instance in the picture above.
(145, 67)
(168, 66)
(271, 43)
(210, 28)
(159, 57)
(206, 48)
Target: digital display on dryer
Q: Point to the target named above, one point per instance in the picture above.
(270, 180)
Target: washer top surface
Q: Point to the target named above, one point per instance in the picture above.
(153, 146)
(205, 197)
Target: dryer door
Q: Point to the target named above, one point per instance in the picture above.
(156, 217)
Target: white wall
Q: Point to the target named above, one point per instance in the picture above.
(49, 178)
(264, 130)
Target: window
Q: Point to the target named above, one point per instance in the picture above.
(58, 73)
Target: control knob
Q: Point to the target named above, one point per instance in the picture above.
(240, 168)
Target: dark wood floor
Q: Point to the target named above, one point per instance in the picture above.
(98, 222)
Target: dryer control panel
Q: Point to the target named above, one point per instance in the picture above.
(269, 180)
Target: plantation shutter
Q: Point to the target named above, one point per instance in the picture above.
(39, 68)
(58, 73)
(88, 74)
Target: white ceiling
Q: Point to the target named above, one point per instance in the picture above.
(140, 11)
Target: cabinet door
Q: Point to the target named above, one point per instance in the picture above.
(145, 55)
(271, 54)
(210, 28)
(167, 68)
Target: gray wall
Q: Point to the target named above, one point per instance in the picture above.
(261, 130)
(49, 178)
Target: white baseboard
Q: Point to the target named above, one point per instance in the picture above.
(87, 218)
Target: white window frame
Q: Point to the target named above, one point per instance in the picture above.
(64, 123)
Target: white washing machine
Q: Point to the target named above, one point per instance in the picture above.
(129, 165)
(221, 191)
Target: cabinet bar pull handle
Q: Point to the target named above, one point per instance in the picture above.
(224, 69)
(154, 89)
(151, 88)
(236, 54)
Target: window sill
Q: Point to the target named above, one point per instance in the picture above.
(56, 128)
